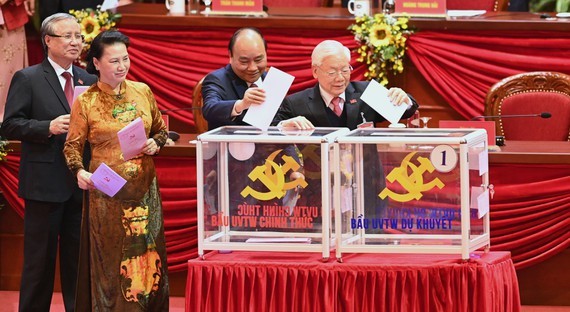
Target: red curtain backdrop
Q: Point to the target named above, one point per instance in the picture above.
(530, 211)
(461, 66)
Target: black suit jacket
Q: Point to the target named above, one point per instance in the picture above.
(34, 99)
(220, 90)
(309, 103)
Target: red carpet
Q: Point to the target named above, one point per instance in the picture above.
(9, 302)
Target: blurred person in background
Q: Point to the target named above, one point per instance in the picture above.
(14, 14)
(49, 7)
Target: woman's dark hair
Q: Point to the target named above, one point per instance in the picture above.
(102, 40)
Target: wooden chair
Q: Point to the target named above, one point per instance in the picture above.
(531, 93)
(199, 121)
(298, 3)
(489, 5)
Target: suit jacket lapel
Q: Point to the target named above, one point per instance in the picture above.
(53, 81)
(238, 84)
(317, 108)
(352, 107)
(77, 79)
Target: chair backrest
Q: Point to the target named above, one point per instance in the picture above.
(199, 121)
(489, 5)
(298, 3)
(531, 93)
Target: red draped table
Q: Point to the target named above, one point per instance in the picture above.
(259, 281)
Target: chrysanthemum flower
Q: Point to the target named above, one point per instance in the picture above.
(380, 35)
(90, 28)
(382, 40)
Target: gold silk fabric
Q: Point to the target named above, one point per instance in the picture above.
(126, 253)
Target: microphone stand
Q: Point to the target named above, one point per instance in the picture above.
(500, 139)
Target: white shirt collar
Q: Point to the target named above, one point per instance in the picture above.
(327, 97)
(58, 69)
(258, 83)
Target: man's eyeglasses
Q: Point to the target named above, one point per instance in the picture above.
(334, 73)
(69, 37)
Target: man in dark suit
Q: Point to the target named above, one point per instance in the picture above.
(229, 91)
(335, 102)
(37, 113)
(313, 107)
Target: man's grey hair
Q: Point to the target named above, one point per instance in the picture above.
(47, 26)
(328, 48)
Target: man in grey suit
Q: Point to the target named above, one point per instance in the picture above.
(37, 114)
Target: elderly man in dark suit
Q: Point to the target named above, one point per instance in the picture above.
(316, 106)
(229, 91)
(335, 102)
(37, 113)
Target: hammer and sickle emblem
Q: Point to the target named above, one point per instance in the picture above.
(414, 183)
(272, 176)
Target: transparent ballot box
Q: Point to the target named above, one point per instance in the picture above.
(265, 190)
(411, 191)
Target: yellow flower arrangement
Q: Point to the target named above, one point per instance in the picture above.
(382, 40)
(3, 149)
(93, 21)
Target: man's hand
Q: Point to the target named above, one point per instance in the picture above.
(252, 96)
(299, 122)
(59, 125)
(399, 97)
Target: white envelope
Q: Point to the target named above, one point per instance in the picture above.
(276, 84)
(376, 96)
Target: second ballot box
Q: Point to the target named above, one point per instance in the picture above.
(411, 191)
(265, 190)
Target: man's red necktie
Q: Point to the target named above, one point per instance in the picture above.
(68, 89)
(336, 106)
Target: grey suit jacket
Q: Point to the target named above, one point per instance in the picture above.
(309, 103)
(34, 99)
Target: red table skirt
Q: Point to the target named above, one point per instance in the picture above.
(259, 281)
